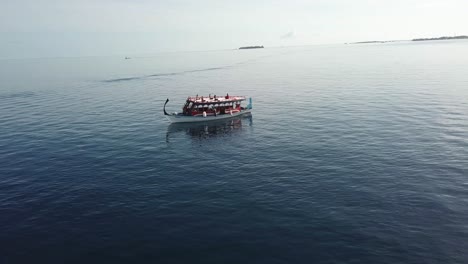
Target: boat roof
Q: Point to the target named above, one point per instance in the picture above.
(215, 100)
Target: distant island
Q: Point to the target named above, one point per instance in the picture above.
(441, 38)
(416, 39)
(252, 47)
(372, 41)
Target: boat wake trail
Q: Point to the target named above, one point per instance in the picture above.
(164, 74)
(123, 79)
(17, 95)
(209, 69)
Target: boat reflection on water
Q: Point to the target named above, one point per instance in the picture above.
(209, 129)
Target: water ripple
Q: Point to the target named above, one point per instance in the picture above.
(352, 154)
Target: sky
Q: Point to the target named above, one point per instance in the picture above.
(62, 28)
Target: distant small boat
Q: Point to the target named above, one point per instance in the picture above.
(127, 58)
(207, 108)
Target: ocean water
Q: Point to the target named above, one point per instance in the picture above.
(353, 154)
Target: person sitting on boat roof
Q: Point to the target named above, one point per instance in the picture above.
(227, 96)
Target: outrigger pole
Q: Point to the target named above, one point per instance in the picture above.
(164, 108)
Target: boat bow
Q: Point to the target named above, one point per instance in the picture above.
(164, 108)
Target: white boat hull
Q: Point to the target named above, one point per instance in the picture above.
(191, 119)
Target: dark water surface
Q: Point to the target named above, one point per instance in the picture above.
(353, 154)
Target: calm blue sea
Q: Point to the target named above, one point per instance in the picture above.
(353, 154)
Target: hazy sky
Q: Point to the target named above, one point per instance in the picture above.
(42, 28)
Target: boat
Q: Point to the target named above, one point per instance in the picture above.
(209, 108)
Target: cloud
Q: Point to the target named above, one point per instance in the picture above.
(288, 35)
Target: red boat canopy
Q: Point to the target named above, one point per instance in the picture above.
(214, 99)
